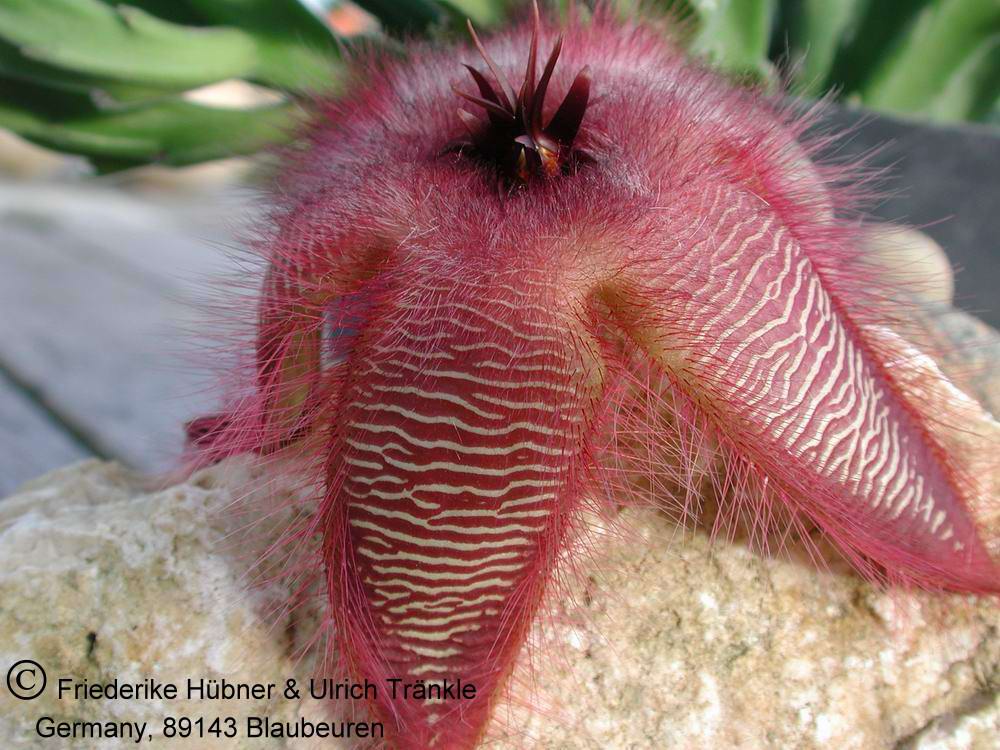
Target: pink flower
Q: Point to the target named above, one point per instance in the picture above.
(625, 274)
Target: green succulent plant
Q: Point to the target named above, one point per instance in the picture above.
(107, 80)
(110, 79)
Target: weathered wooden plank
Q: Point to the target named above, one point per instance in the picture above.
(169, 241)
(32, 442)
(94, 295)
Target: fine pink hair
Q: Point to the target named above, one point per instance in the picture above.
(382, 213)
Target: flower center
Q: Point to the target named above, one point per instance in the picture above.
(513, 137)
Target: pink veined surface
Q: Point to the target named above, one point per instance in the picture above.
(462, 429)
(787, 378)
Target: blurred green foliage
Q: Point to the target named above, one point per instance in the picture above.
(936, 59)
(109, 79)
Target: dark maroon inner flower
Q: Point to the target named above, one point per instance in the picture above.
(512, 136)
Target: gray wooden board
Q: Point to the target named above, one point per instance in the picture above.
(96, 308)
(32, 442)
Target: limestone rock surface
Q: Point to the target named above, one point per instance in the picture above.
(674, 643)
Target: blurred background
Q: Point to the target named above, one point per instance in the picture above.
(129, 129)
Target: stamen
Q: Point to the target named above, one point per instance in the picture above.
(513, 136)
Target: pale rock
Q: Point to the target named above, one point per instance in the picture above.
(671, 642)
(100, 579)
